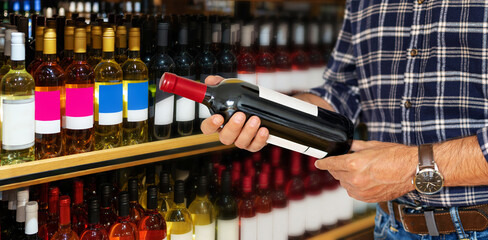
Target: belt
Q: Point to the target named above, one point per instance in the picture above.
(473, 218)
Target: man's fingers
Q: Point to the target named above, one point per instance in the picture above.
(259, 140)
(248, 132)
(213, 80)
(337, 163)
(212, 124)
(232, 129)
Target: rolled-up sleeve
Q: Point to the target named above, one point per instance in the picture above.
(340, 88)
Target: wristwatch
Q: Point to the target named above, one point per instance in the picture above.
(428, 179)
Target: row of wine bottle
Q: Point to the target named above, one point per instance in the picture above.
(245, 199)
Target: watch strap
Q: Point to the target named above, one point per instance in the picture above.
(426, 156)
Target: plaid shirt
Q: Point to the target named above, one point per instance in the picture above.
(415, 72)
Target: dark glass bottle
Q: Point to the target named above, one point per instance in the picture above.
(313, 187)
(264, 207)
(152, 226)
(246, 64)
(185, 66)
(295, 191)
(283, 61)
(107, 214)
(94, 230)
(247, 211)
(226, 211)
(161, 104)
(147, 40)
(265, 63)
(226, 58)
(216, 37)
(32, 67)
(280, 205)
(68, 53)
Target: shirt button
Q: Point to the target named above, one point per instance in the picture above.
(414, 52)
(407, 104)
(420, 1)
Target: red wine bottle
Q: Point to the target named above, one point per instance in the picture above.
(264, 207)
(329, 211)
(313, 199)
(265, 63)
(79, 216)
(280, 206)
(284, 78)
(107, 214)
(295, 191)
(227, 59)
(53, 215)
(317, 66)
(292, 123)
(247, 211)
(299, 59)
(246, 64)
(64, 231)
(94, 230)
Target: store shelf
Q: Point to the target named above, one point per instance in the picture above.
(358, 229)
(47, 170)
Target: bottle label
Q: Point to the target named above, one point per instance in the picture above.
(249, 228)
(136, 97)
(248, 77)
(48, 112)
(283, 81)
(288, 101)
(316, 76)
(109, 101)
(228, 229)
(345, 203)
(205, 232)
(79, 107)
(328, 32)
(185, 236)
(300, 80)
(285, 143)
(185, 109)
(296, 218)
(164, 107)
(313, 220)
(265, 226)
(266, 80)
(280, 223)
(18, 127)
(203, 111)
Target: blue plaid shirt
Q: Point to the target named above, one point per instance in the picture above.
(415, 72)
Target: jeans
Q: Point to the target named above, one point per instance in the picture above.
(387, 227)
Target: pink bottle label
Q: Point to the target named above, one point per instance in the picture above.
(79, 102)
(48, 106)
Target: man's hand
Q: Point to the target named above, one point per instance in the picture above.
(376, 171)
(246, 135)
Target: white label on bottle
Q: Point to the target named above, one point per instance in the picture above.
(296, 217)
(265, 226)
(284, 81)
(48, 127)
(249, 228)
(228, 229)
(300, 80)
(203, 111)
(185, 109)
(329, 208)
(18, 130)
(288, 101)
(313, 220)
(164, 110)
(137, 115)
(280, 223)
(328, 32)
(109, 118)
(345, 203)
(185, 236)
(79, 123)
(267, 80)
(316, 79)
(284, 143)
(250, 78)
(205, 232)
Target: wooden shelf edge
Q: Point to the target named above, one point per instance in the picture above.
(351, 228)
(36, 172)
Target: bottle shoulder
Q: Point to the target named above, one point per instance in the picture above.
(108, 70)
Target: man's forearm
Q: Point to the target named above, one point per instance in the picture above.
(461, 162)
(315, 100)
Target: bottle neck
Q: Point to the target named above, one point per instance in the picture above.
(108, 55)
(184, 87)
(68, 53)
(17, 65)
(163, 49)
(38, 54)
(134, 54)
(124, 219)
(50, 57)
(96, 52)
(80, 57)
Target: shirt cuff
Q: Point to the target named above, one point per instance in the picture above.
(482, 135)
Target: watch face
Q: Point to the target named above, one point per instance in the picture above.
(429, 181)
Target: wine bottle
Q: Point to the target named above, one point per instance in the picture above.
(178, 218)
(8, 226)
(123, 228)
(107, 214)
(317, 66)
(147, 39)
(284, 77)
(79, 216)
(31, 221)
(43, 211)
(265, 63)
(136, 210)
(150, 180)
(247, 211)
(94, 230)
(68, 53)
(152, 226)
(264, 207)
(329, 201)
(226, 211)
(50, 101)
(135, 84)
(327, 37)
(299, 59)
(79, 97)
(47, 231)
(227, 59)
(292, 123)
(88, 40)
(8, 51)
(161, 107)
(121, 44)
(246, 63)
(95, 55)
(64, 231)
(2, 46)
(206, 65)
(313, 199)
(185, 66)
(216, 37)
(165, 198)
(18, 121)
(202, 212)
(108, 97)
(39, 43)
(22, 199)
(280, 206)
(295, 192)
(236, 179)
(60, 24)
